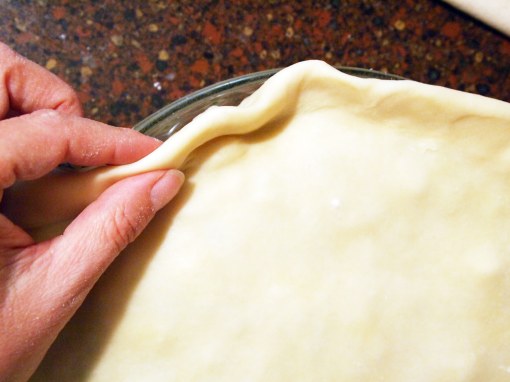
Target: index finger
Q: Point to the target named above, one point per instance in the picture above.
(26, 87)
(34, 144)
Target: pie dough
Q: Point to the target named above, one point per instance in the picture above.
(360, 231)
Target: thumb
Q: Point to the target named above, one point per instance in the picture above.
(68, 266)
(93, 240)
(49, 280)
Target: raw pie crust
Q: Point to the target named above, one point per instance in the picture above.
(360, 232)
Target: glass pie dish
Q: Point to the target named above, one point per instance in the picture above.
(171, 118)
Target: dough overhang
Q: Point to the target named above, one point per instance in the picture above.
(360, 234)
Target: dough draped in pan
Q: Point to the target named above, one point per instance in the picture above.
(357, 229)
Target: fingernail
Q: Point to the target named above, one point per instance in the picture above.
(165, 188)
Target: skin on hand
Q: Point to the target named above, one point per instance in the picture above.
(26, 87)
(43, 284)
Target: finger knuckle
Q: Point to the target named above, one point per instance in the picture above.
(51, 114)
(46, 118)
(125, 227)
(69, 97)
(7, 52)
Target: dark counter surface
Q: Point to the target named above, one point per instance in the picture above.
(127, 59)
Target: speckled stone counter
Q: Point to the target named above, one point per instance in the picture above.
(127, 59)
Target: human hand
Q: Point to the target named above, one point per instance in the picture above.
(43, 284)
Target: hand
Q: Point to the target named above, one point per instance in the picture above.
(43, 284)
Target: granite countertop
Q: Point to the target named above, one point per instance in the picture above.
(127, 59)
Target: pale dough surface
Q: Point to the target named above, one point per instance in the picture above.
(361, 233)
(495, 13)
